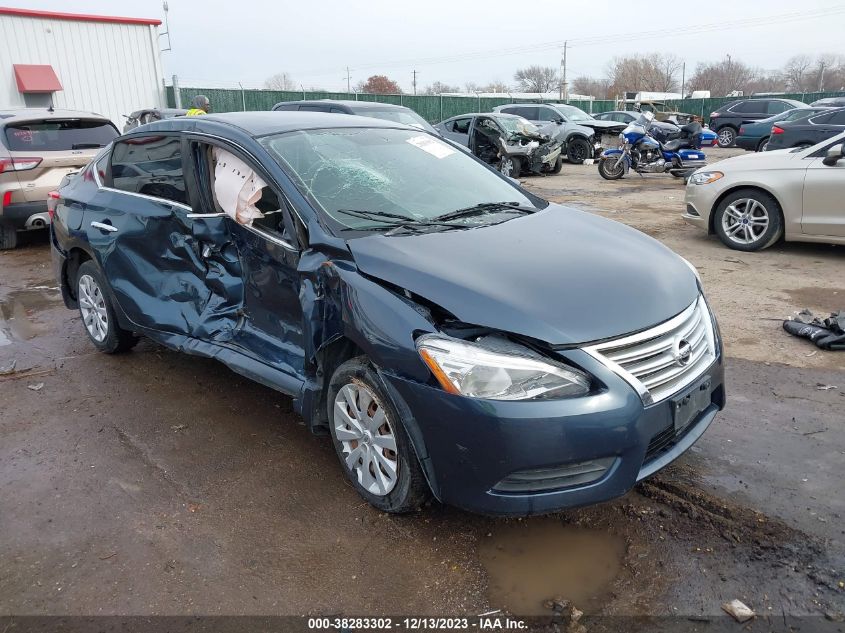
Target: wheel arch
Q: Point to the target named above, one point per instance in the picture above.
(711, 228)
(76, 256)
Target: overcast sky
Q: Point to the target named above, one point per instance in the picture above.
(457, 41)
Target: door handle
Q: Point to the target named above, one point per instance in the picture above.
(108, 228)
(197, 216)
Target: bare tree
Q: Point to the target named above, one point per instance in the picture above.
(496, 86)
(280, 81)
(379, 84)
(828, 73)
(722, 78)
(653, 73)
(471, 86)
(438, 87)
(537, 79)
(597, 88)
(796, 72)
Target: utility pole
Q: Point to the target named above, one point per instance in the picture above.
(564, 85)
(348, 80)
(821, 76)
(683, 80)
(414, 82)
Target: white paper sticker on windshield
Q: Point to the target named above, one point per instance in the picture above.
(432, 146)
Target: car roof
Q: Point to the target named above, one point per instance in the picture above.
(263, 123)
(494, 115)
(363, 105)
(16, 115)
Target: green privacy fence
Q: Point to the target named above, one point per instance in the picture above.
(433, 108)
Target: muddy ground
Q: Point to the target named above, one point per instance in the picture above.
(157, 483)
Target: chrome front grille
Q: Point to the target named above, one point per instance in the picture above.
(663, 360)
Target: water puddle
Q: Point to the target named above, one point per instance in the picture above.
(530, 562)
(19, 313)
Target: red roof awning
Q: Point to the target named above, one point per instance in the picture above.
(36, 78)
(77, 17)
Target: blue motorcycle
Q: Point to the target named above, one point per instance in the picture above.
(678, 153)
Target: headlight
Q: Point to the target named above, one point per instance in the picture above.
(705, 177)
(496, 368)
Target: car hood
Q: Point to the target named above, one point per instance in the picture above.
(774, 159)
(604, 127)
(561, 275)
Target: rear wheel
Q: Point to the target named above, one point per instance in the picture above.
(577, 150)
(370, 440)
(8, 237)
(726, 136)
(748, 220)
(763, 144)
(609, 170)
(510, 166)
(97, 312)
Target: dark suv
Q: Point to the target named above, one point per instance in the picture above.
(726, 121)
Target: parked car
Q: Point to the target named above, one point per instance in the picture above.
(580, 132)
(665, 112)
(626, 117)
(754, 200)
(727, 120)
(512, 144)
(807, 131)
(386, 111)
(148, 115)
(37, 148)
(452, 333)
(755, 136)
(829, 102)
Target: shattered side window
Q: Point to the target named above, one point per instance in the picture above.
(395, 171)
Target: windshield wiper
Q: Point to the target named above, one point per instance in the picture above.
(396, 219)
(486, 207)
(86, 145)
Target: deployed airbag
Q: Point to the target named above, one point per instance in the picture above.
(236, 187)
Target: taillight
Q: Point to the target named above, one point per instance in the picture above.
(777, 130)
(741, 131)
(52, 202)
(7, 199)
(19, 164)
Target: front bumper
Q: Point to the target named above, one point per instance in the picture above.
(699, 201)
(471, 446)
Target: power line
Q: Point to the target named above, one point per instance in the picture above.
(753, 22)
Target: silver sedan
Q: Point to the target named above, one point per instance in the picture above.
(752, 201)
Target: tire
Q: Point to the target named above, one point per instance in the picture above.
(577, 150)
(606, 170)
(510, 166)
(738, 220)
(763, 144)
(8, 237)
(97, 312)
(389, 479)
(726, 136)
(557, 166)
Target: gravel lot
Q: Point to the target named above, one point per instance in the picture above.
(156, 483)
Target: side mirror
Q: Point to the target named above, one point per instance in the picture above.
(834, 155)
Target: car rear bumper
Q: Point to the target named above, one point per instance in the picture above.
(523, 458)
(25, 215)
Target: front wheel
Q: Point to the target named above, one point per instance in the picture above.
(97, 312)
(510, 166)
(611, 168)
(578, 150)
(748, 220)
(368, 436)
(557, 166)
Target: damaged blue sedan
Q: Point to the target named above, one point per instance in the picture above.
(454, 334)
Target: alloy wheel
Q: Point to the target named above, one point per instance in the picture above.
(726, 137)
(745, 221)
(507, 167)
(367, 438)
(92, 305)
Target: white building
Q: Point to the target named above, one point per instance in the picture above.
(104, 64)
